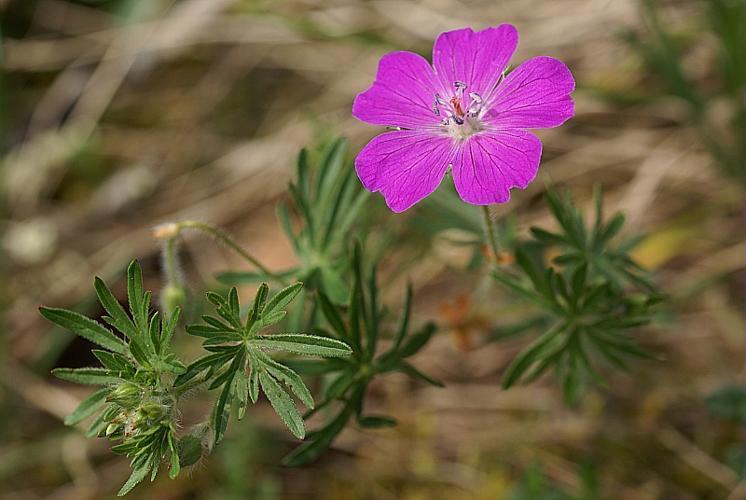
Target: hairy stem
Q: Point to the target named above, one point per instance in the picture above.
(222, 236)
(170, 262)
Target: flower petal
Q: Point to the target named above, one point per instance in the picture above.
(405, 166)
(489, 164)
(476, 59)
(402, 94)
(534, 95)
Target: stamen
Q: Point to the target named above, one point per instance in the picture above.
(475, 107)
(460, 86)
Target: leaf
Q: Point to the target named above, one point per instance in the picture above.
(175, 466)
(333, 285)
(241, 383)
(372, 325)
(168, 327)
(273, 318)
(199, 365)
(113, 361)
(85, 327)
(281, 299)
(547, 238)
(259, 298)
(154, 332)
(332, 315)
(88, 406)
(578, 280)
(254, 377)
(340, 384)
(234, 305)
(415, 342)
(118, 316)
(139, 353)
(611, 230)
(284, 217)
(220, 417)
(302, 171)
(308, 345)
(137, 476)
(135, 294)
(529, 267)
(329, 168)
(311, 449)
(404, 322)
(530, 355)
(288, 376)
(283, 405)
(86, 376)
(417, 374)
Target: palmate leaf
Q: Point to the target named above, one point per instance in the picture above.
(326, 200)
(348, 378)
(239, 347)
(588, 299)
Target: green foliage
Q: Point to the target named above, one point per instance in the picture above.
(590, 296)
(326, 200)
(587, 300)
(142, 381)
(662, 51)
(360, 325)
(238, 363)
(135, 405)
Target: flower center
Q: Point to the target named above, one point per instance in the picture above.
(461, 113)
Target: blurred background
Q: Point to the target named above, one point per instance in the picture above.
(122, 114)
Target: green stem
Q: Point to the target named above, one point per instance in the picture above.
(170, 262)
(222, 236)
(491, 234)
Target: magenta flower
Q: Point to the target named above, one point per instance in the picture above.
(461, 113)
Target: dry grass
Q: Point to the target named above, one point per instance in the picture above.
(196, 109)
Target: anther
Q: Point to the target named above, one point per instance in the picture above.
(475, 97)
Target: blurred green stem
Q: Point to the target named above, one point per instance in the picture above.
(222, 236)
(170, 264)
(491, 233)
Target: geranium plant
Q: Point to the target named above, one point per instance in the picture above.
(466, 114)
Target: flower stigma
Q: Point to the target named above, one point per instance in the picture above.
(461, 113)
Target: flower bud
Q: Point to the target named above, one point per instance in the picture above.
(126, 395)
(173, 295)
(152, 411)
(166, 231)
